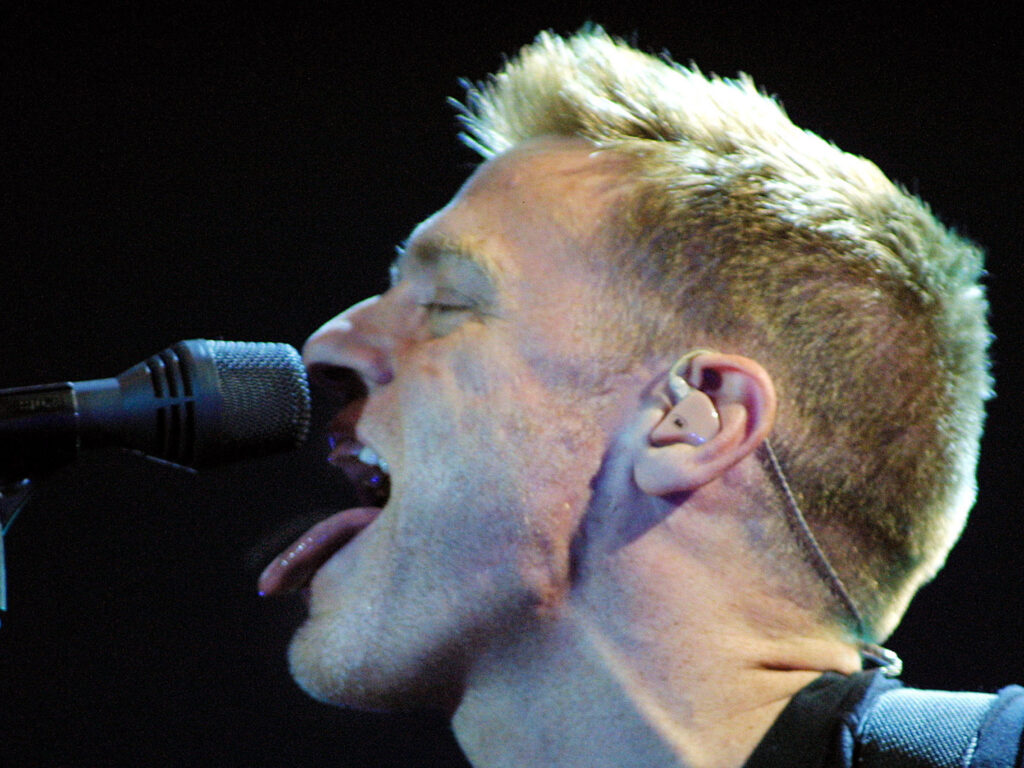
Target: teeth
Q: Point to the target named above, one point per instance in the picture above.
(368, 456)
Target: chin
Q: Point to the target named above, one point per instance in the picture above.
(336, 668)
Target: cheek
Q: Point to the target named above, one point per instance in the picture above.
(566, 347)
(476, 370)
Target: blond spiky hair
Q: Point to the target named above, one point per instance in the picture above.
(867, 311)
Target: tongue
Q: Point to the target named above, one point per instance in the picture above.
(294, 567)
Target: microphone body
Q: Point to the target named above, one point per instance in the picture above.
(196, 403)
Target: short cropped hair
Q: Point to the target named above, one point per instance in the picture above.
(743, 232)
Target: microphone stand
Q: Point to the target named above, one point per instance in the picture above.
(13, 496)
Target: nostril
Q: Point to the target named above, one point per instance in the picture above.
(342, 383)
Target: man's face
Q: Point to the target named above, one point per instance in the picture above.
(485, 401)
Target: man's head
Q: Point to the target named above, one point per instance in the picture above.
(739, 231)
(629, 212)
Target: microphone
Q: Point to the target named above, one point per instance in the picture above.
(197, 403)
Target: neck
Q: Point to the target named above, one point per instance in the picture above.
(633, 670)
(573, 699)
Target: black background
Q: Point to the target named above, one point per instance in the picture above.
(213, 173)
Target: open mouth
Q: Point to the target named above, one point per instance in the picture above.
(364, 468)
(368, 472)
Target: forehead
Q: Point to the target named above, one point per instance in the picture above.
(541, 202)
(545, 166)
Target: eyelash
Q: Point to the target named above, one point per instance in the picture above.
(435, 306)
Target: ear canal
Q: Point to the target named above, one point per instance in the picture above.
(693, 420)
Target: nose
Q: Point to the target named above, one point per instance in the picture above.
(351, 353)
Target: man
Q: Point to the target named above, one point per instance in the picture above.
(662, 423)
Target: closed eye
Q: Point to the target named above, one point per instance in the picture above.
(437, 306)
(443, 317)
(445, 300)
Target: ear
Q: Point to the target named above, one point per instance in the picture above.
(719, 410)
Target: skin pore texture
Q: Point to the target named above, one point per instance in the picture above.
(571, 592)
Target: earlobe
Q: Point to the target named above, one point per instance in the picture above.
(721, 407)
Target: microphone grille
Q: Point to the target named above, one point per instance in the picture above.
(266, 395)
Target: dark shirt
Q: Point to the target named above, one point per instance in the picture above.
(806, 733)
(822, 725)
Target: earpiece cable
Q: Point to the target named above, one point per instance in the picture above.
(872, 654)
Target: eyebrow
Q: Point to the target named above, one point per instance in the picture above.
(442, 251)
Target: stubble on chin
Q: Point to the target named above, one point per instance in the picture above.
(340, 673)
(345, 663)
